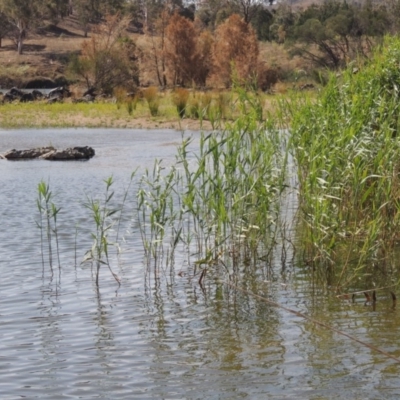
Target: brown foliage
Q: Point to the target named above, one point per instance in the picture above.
(187, 53)
(235, 51)
(203, 60)
(266, 77)
(180, 49)
(108, 59)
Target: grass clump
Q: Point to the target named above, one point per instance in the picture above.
(120, 96)
(347, 147)
(199, 105)
(151, 95)
(180, 98)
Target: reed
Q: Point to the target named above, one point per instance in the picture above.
(48, 213)
(102, 213)
(347, 150)
(224, 206)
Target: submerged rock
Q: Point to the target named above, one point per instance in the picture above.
(50, 153)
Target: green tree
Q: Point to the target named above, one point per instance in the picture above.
(262, 22)
(335, 32)
(5, 27)
(20, 14)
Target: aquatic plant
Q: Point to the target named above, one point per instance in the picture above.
(101, 214)
(47, 221)
(221, 201)
(347, 150)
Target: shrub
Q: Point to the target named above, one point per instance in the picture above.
(120, 96)
(199, 105)
(107, 60)
(266, 77)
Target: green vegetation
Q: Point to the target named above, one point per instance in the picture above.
(187, 46)
(126, 111)
(346, 147)
(102, 214)
(225, 209)
(47, 221)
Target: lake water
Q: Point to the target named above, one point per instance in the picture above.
(164, 337)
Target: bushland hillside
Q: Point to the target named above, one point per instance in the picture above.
(103, 45)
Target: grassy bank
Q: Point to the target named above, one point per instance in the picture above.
(165, 110)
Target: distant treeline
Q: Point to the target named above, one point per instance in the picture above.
(191, 42)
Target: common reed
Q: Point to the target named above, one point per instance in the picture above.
(102, 216)
(347, 151)
(221, 201)
(48, 213)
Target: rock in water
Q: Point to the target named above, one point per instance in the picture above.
(50, 153)
(71, 153)
(26, 154)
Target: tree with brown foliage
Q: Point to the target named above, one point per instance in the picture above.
(181, 50)
(203, 59)
(187, 53)
(235, 51)
(158, 44)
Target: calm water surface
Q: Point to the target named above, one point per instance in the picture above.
(162, 338)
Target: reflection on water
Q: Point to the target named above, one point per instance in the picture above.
(162, 336)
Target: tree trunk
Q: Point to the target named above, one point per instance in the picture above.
(20, 41)
(21, 35)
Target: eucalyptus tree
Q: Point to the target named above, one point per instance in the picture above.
(21, 14)
(5, 27)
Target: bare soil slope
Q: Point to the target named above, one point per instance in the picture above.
(45, 54)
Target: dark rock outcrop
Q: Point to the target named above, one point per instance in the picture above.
(50, 153)
(71, 153)
(26, 154)
(59, 92)
(22, 96)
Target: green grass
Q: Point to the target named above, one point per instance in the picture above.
(208, 106)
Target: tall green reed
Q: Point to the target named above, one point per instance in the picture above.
(222, 200)
(102, 214)
(347, 150)
(48, 213)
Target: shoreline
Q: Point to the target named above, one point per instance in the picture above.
(100, 115)
(137, 123)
